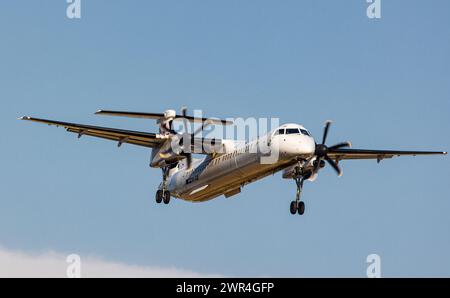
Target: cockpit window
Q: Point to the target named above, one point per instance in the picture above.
(290, 131)
(305, 132)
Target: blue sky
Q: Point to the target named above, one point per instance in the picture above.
(385, 83)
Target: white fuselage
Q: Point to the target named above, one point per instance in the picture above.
(225, 174)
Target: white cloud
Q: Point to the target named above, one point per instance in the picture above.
(52, 264)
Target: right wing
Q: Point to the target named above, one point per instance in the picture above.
(144, 139)
(342, 154)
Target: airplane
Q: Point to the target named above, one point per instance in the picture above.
(227, 165)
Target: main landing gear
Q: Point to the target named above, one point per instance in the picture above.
(162, 196)
(298, 206)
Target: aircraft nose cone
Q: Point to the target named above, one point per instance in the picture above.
(307, 146)
(296, 145)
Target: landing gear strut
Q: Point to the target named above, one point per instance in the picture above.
(163, 195)
(298, 206)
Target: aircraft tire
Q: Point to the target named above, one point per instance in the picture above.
(301, 207)
(166, 197)
(158, 196)
(293, 207)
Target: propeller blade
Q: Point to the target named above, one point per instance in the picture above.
(317, 165)
(340, 145)
(185, 142)
(184, 111)
(185, 121)
(334, 166)
(325, 131)
(188, 160)
(202, 127)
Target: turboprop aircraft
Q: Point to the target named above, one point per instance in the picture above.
(228, 165)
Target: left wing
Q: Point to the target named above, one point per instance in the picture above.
(341, 154)
(138, 138)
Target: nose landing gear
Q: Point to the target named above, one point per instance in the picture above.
(298, 206)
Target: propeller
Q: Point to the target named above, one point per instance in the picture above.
(191, 136)
(185, 138)
(322, 150)
(180, 140)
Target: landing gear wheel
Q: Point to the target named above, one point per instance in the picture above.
(301, 207)
(293, 207)
(166, 197)
(159, 196)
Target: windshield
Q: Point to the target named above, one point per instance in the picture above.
(290, 131)
(305, 132)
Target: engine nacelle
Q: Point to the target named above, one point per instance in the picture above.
(161, 158)
(165, 155)
(178, 147)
